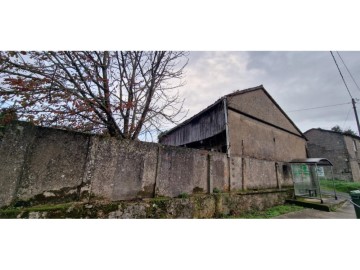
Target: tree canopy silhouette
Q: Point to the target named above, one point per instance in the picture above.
(348, 131)
(122, 93)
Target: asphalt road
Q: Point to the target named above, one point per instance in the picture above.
(347, 211)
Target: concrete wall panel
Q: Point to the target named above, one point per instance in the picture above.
(259, 174)
(55, 160)
(35, 161)
(123, 169)
(219, 171)
(235, 173)
(200, 175)
(181, 170)
(13, 148)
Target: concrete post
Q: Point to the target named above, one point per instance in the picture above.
(210, 175)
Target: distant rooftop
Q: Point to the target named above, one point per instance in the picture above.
(331, 131)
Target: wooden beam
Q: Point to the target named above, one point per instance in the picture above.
(264, 122)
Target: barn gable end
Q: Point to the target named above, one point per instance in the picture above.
(257, 103)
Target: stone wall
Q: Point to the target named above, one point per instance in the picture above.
(218, 205)
(337, 148)
(39, 164)
(353, 148)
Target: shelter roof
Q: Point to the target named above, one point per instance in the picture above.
(317, 161)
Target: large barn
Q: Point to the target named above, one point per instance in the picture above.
(244, 123)
(255, 133)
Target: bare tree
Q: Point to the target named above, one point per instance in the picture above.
(126, 93)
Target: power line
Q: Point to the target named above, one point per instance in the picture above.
(319, 107)
(341, 74)
(348, 71)
(343, 125)
(352, 99)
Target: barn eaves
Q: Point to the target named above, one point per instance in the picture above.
(208, 129)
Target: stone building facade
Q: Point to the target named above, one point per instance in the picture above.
(341, 149)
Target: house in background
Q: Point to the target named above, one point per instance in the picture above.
(251, 127)
(342, 150)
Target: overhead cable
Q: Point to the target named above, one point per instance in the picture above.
(341, 74)
(319, 107)
(347, 115)
(348, 71)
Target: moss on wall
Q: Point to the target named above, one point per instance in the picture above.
(196, 206)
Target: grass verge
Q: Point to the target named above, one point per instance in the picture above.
(271, 212)
(341, 186)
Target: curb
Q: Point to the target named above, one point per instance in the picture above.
(318, 206)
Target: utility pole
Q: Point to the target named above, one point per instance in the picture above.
(347, 88)
(356, 116)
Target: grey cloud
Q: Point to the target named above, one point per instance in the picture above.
(296, 80)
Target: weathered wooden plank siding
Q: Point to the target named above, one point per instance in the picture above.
(204, 126)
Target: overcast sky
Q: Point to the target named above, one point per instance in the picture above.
(296, 80)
